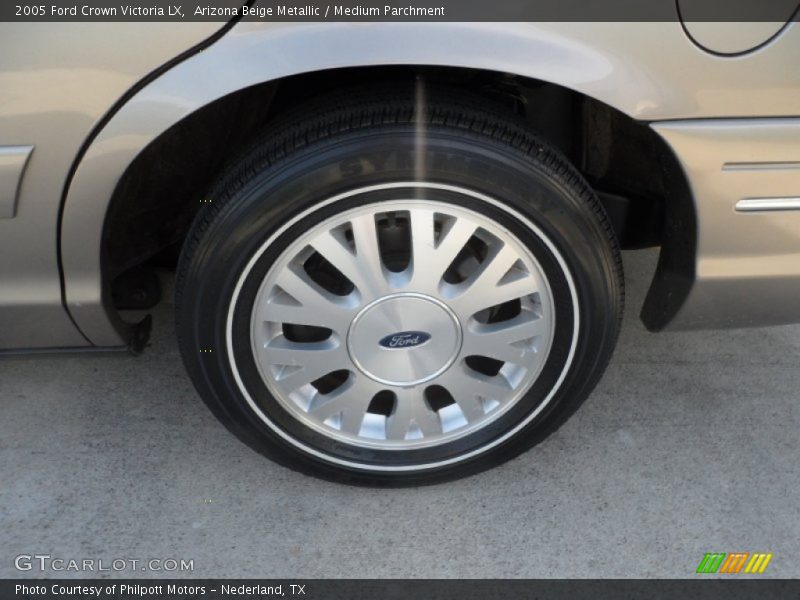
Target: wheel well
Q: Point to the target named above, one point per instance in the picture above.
(158, 196)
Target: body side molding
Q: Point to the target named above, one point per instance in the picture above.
(747, 264)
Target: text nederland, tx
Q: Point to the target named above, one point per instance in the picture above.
(126, 589)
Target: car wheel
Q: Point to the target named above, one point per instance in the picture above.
(389, 293)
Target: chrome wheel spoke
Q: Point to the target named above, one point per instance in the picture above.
(509, 291)
(284, 352)
(362, 267)
(349, 403)
(296, 299)
(513, 341)
(499, 281)
(335, 250)
(371, 271)
(423, 235)
(455, 237)
(464, 383)
(412, 418)
(430, 261)
(294, 365)
(470, 406)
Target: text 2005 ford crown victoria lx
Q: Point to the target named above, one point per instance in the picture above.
(397, 245)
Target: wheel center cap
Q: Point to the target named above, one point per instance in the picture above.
(404, 339)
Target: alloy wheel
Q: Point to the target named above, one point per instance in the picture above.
(402, 324)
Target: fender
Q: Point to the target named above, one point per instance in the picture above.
(615, 63)
(57, 81)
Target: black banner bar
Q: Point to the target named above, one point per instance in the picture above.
(733, 588)
(398, 10)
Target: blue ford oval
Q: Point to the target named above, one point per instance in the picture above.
(404, 339)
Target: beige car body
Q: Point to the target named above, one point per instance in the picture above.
(76, 111)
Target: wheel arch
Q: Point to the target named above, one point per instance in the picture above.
(219, 93)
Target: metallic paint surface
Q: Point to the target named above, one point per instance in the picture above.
(748, 263)
(58, 80)
(731, 37)
(13, 160)
(617, 63)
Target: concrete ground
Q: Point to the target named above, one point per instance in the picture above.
(689, 445)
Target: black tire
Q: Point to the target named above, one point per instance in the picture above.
(361, 137)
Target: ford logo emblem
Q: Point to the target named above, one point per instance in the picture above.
(405, 339)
